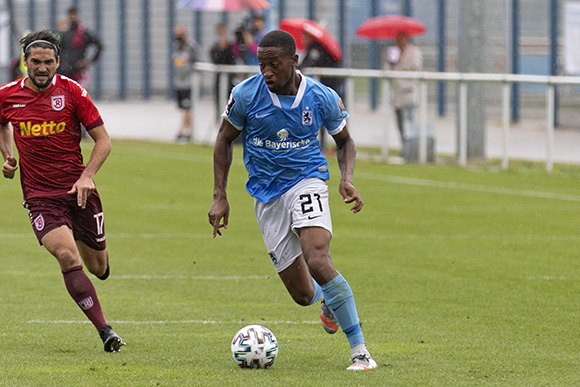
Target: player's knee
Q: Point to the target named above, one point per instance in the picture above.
(317, 256)
(97, 268)
(302, 298)
(67, 258)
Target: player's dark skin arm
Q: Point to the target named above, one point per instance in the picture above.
(222, 160)
(346, 155)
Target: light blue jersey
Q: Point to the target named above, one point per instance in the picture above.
(279, 133)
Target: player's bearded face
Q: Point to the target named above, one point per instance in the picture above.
(277, 68)
(41, 64)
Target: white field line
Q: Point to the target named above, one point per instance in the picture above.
(524, 237)
(185, 277)
(398, 179)
(345, 236)
(177, 156)
(170, 277)
(140, 235)
(546, 278)
(176, 322)
(468, 187)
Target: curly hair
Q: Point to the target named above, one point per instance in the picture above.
(280, 39)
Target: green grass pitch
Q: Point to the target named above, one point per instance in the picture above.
(462, 277)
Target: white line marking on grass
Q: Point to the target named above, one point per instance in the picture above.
(177, 156)
(147, 235)
(469, 187)
(175, 322)
(207, 277)
(546, 278)
(127, 235)
(14, 235)
(339, 236)
(460, 236)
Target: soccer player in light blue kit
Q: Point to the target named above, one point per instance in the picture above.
(278, 113)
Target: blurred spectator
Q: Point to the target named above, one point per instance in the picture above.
(17, 67)
(251, 38)
(184, 56)
(79, 48)
(404, 97)
(315, 55)
(222, 53)
(61, 28)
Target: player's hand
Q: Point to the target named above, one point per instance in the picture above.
(220, 209)
(9, 168)
(83, 188)
(350, 194)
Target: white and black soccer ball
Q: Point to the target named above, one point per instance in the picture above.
(254, 346)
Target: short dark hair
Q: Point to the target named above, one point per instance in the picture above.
(280, 39)
(42, 39)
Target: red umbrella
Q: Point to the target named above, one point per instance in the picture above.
(387, 27)
(297, 25)
(223, 5)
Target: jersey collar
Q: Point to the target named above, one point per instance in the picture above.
(24, 79)
(297, 98)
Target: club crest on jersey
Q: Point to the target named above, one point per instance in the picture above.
(307, 117)
(39, 222)
(57, 102)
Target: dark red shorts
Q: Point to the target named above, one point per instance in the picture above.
(88, 224)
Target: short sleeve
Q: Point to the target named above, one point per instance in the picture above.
(235, 112)
(87, 112)
(336, 114)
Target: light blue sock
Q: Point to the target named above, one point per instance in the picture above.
(338, 297)
(317, 292)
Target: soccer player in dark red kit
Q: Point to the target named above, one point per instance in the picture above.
(46, 112)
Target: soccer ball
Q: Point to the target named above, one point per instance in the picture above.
(254, 346)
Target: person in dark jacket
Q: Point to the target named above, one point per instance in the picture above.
(315, 55)
(79, 49)
(222, 53)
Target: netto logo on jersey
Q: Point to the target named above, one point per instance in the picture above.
(44, 129)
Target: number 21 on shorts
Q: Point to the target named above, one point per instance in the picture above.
(311, 205)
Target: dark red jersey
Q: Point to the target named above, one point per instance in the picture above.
(47, 133)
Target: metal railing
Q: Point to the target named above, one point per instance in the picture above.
(386, 77)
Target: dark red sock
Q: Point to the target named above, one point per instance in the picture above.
(81, 290)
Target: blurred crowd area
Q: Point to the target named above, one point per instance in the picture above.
(136, 63)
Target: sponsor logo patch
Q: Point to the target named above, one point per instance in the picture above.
(41, 129)
(282, 134)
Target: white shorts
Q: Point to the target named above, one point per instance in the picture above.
(304, 205)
